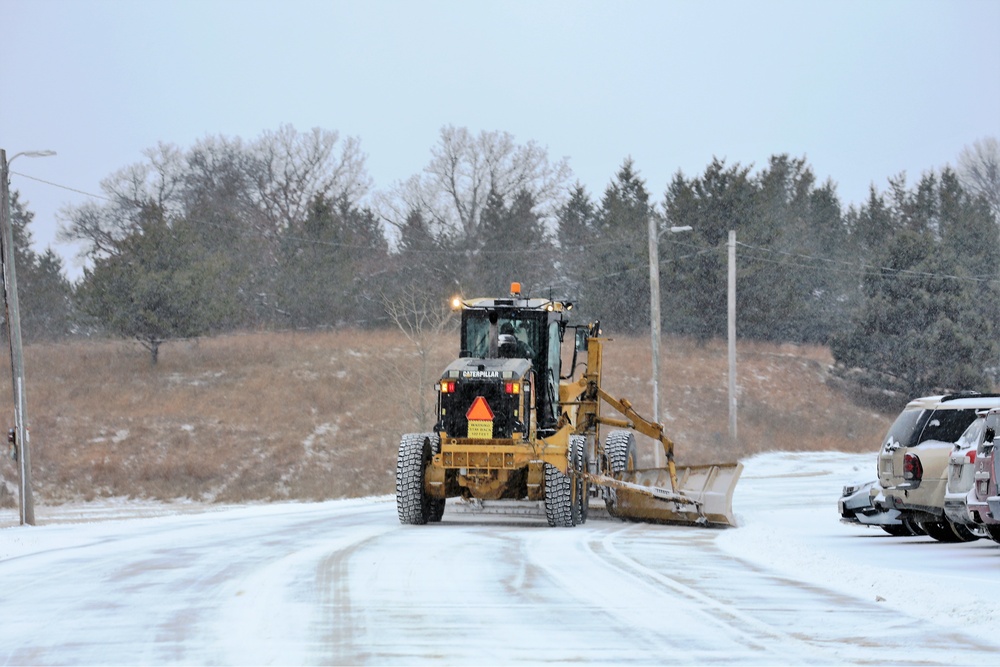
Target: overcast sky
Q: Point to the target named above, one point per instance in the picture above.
(863, 90)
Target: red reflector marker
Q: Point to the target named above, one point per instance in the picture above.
(479, 410)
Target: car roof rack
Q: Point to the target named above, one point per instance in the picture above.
(967, 394)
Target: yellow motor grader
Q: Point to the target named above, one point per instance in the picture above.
(516, 427)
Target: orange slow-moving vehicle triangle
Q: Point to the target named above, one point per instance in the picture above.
(479, 410)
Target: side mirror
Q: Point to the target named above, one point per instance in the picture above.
(989, 435)
(581, 340)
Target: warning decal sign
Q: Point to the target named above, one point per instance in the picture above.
(480, 418)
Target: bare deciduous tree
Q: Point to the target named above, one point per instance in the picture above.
(295, 168)
(979, 170)
(454, 186)
(264, 186)
(127, 191)
(422, 318)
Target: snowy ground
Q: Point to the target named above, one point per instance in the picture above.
(344, 583)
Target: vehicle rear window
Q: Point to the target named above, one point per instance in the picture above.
(907, 426)
(971, 436)
(947, 425)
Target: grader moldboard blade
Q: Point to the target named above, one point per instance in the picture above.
(704, 495)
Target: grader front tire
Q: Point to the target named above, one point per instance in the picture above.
(620, 451)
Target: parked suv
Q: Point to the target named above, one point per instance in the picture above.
(913, 460)
(961, 469)
(857, 505)
(865, 503)
(983, 501)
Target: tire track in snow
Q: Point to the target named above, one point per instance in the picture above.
(339, 625)
(280, 611)
(647, 621)
(761, 639)
(796, 617)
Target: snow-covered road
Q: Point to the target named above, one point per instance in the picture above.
(343, 583)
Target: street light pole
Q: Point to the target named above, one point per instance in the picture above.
(26, 503)
(654, 317)
(731, 333)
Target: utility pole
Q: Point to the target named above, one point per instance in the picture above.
(731, 299)
(26, 503)
(654, 318)
(654, 322)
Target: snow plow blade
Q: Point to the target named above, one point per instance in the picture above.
(704, 495)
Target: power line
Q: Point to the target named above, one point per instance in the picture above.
(853, 269)
(850, 268)
(63, 187)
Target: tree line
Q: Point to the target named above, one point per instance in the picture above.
(286, 231)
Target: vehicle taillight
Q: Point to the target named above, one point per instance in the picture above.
(912, 470)
(512, 387)
(971, 455)
(447, 386)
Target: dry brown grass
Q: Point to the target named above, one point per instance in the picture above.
(315, 415)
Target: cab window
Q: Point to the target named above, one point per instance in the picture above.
(528, 332)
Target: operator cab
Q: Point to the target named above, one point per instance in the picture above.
(518, 328)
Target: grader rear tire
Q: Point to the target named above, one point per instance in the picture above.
(558, 498)
(413, 505)
(581, 501)
(437, 504)
(437, 510)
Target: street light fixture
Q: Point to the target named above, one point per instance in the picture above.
(31, 154)
(26, 503)
(654, 315)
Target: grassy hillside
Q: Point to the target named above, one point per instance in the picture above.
(313, 415)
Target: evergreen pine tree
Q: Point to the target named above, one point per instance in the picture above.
(926, 324)
(45, 296)
(156, 285)
(515, 247)
(577, 236)
(333, 267)
(619, 291)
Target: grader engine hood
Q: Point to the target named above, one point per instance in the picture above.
(484, 399)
